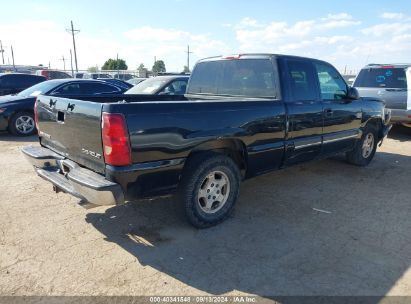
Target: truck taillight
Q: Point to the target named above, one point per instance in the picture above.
(116, 145)
(36, 116)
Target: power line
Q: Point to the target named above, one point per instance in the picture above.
(72, 31)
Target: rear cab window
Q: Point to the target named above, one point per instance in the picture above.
(387, 77)
(238, 77)
(301, 80)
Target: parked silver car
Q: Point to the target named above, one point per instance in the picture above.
(391, 83)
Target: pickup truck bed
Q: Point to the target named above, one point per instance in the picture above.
(281, 111)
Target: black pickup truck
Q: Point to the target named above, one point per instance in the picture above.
(243, 115)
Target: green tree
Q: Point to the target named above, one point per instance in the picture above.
(114, 64)
(141, 67)
(186, 69)
(92, 69)
(159, 67)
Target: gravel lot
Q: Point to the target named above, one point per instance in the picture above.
(274, 244)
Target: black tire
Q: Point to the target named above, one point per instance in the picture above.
(15, 130)
(356, 156)
(195, 175)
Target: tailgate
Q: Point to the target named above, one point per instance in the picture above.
(72, 128)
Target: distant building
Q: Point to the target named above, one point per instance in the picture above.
(27, 69)
(142, 73)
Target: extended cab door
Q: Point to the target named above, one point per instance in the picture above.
(342, 116)
(304, 110)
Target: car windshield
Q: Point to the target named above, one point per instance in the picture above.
(149, 86)
(38, 89)
(382, 78)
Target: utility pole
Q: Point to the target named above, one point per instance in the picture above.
(117, 68)
(72, 31)
(64, 63)
(188, 57)
(2, 51)
(12, 57)
(71, 63)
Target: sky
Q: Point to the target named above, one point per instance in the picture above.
(349, 34)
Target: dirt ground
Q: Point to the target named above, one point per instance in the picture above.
(276, 243)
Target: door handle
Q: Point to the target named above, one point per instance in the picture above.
(328, 112)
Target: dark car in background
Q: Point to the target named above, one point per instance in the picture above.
(78, 75)
(161, 85)
(17, 111)
(13, 83)
(53, 74)
(117, 82)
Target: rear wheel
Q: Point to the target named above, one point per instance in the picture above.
(208, 190)
(364, 149)
(22, 124)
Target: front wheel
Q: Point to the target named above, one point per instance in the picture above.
(364, 149)
(208, 189)
(22, 124)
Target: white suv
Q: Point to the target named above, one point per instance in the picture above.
(392, 84)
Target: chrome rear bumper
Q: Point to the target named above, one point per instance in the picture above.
(69, 177)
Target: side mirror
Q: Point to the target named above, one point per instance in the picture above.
(353, 93)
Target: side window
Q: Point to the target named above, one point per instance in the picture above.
(204, 78)
(177, 87)
(98, 88)
(20, 81)
(32, 80)
(69, 89)
(302, 80)
(7, 81)
(168, 90)
(332, 85)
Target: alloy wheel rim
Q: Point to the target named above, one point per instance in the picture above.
(25, 124)
(213, 192)
(368, 145)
